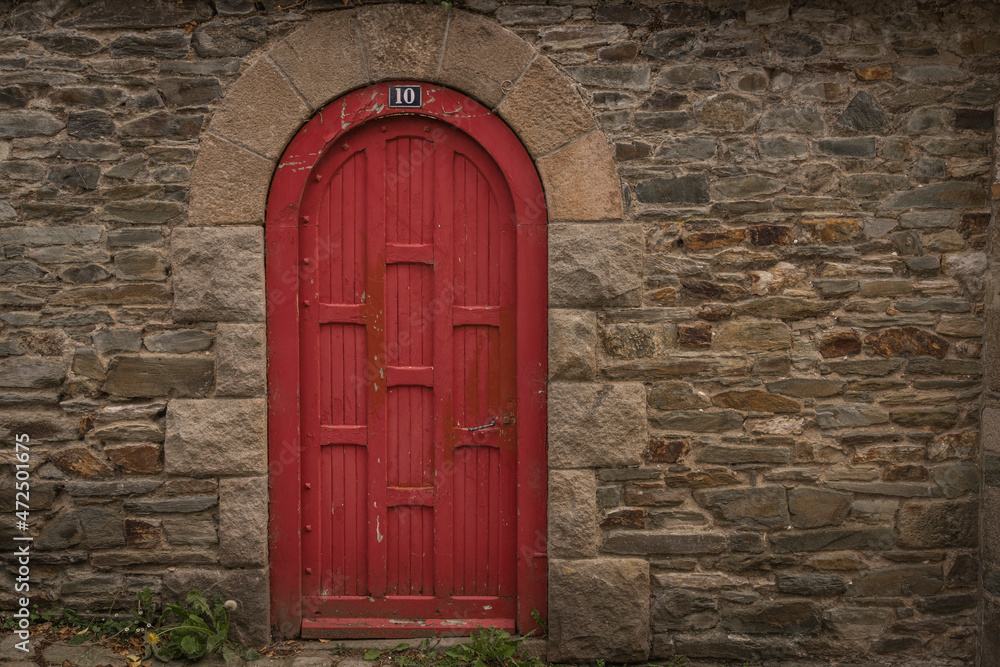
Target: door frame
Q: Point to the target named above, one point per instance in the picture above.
(282, 274)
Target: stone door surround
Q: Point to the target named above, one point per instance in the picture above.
(349, 49)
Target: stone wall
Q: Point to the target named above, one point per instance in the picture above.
(765, 387)
(811, 188)
(989, 507)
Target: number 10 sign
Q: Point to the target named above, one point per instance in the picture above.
(405, 97)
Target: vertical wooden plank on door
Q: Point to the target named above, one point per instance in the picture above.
(348, 376)
(532, 489)
(392, 529)
(331, 346)
(425, 405)
(461, 400)
(478, 372)
(504, 273)
(375, 305)
(309, 371)
(409, 280)
(443, 332)
(283, 425)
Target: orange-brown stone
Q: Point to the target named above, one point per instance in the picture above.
(905, 473)
(763, 235)
(135, 458)
(704, 289)
(698, 335)
(840, 345)
(975, 223)
(907, 341)
(873, 73)
(714, 312)
(699, 241)
(756, 401)
(700, 479)
(662, 450)
(143, 533)
(833, 230)
(665, 294)
(632, 518)
(80, 461)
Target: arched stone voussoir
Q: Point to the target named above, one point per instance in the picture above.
(581, 182)
(544, 109)
(261, 111)
(402, 41)
(229, 184)
(480, 56)
(325, 58)
(344, 50)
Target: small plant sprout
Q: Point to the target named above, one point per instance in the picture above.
(490, 647)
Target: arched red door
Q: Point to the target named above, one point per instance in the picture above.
(410, 414)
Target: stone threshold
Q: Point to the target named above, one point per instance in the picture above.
(533, 645)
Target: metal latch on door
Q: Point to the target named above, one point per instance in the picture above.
(505, 419)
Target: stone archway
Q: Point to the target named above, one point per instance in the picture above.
(218, 272)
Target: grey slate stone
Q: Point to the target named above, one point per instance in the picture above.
(832, 539)
(154, 14)
(621, 14)
(690, 189)
(794, 44)
(850, 147)
(663, 543)
(189, 91)
(864, 114)
(761, 506)
(690, 76)
(220, 40)
(810, 584)
(32, 373)
(783, 118)
(114, 488)
(68, 42)
(133, 376)
(182, 505)
(952, 194)
(628, 77)
(84, 176)
(90, 125)
(28, 123)
(179, 342)
(780, 617)
(669, 44)
(532, 14)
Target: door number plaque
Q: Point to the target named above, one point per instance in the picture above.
(405, 97)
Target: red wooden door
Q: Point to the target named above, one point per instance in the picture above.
(408, 384)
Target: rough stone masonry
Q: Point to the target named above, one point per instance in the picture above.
(768, 377)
